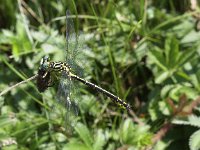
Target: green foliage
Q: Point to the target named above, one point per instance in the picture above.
(97, 141)
(143, 51)
(135, 135)
(194, 140)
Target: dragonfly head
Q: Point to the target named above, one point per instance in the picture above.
(44, 63)
(44, 76)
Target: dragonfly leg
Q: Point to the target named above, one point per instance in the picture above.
(51, 82)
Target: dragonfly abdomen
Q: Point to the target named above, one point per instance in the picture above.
(64, 67)
(103, 91)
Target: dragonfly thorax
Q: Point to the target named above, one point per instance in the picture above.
(59, 67)
(47, 65)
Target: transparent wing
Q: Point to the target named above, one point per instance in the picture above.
(74, 46)
(71, 40)
(67, 93)
(65, 97)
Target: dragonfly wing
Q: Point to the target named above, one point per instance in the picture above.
(71, 40)
(65, 98)
(74, 46)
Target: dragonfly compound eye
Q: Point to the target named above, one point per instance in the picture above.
(44, 63)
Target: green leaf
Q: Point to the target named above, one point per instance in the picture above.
(127, 129)
(162, 77)
(99, 140)
(156, 56)
(163, 108)
(21, 41)
(181, 88)
(190, 37)
(165, 90)
(75, 146)
(172, 51)
(84, 134)
(153, 108)
(60, 137)
(186, 56)
(191, 120)
(6, 37)
(194, 141)
(6, 120)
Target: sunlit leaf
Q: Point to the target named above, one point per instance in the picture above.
(194, 142)
(84, 134)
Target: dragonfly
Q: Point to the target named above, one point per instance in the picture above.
(66, 75)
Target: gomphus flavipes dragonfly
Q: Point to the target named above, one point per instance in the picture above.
(47, 68)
